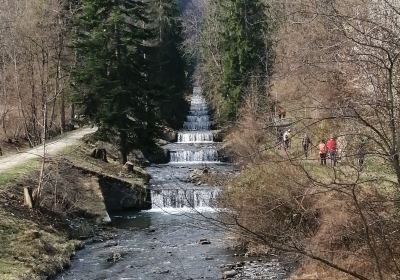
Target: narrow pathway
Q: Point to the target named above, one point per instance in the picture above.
(54, 147)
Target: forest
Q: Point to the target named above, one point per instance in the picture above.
(63, 63)
(324, 70)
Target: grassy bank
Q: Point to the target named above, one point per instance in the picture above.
(39, 243)
(17, 173)
(35, 243)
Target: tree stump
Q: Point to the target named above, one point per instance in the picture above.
(28, 197)
(99, 154)
(129, 166)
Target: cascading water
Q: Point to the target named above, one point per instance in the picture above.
(195, 147)
(153, 245)
(195, 137)
(195, 156)
(181, 198)
(197, 131)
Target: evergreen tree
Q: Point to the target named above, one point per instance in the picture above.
(244, 49)
(111, 76)
(167, 75)
(237, 42)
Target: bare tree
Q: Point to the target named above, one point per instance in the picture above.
(336, 73)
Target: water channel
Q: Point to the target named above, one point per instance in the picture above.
(175, 239)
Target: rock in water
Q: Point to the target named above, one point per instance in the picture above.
(204, 242)
(229, 274)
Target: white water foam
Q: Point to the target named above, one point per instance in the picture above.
(201, 155)
(195, 137)
(183, 210)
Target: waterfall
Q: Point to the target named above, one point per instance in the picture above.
(195, 137)
(196, 130)
(195, 145)
(180, 198)
(197, 125)
(203, 155)
(198, 118)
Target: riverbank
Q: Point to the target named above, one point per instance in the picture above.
(39, 243)
(35, 243)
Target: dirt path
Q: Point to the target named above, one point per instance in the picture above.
(53, 147)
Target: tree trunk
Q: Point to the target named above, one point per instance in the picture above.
(62, 113)
(37, 192)
(123, 146)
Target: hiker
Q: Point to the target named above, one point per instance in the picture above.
(322, 152)
(280, 139)
(281, 113)
(332, 150)
(362, 150)
(305, 142)
(286, 139)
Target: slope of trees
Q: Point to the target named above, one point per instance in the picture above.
(116, 63)
(167, 73)
(35, 65)
(336, 74)
(111, 76)
(130, 74)
(235, 50)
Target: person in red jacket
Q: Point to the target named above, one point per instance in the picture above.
(322, 152)
(332, 150)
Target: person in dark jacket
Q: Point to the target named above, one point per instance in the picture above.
(305, 143)
(361, 152)
(322, 152)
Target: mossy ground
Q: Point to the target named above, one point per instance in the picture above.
(36, 244)
(17, 173)
(33, 243)
(31, 249)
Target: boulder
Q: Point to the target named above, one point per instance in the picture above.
(112, 150)
(99, 154)
(157, 155)
(162, 142)
(169, 134)
(230, 274)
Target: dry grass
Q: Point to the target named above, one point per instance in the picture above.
(270, 204)
(271, 193)
(80, 158)
(32, 243)
(278, 202)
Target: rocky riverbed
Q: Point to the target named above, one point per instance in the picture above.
(260, 269)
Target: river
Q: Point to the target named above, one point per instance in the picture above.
(176, 239)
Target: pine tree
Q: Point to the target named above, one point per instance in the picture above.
(111, 76)
(237, 41)
(167, 75)
(244, 52)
